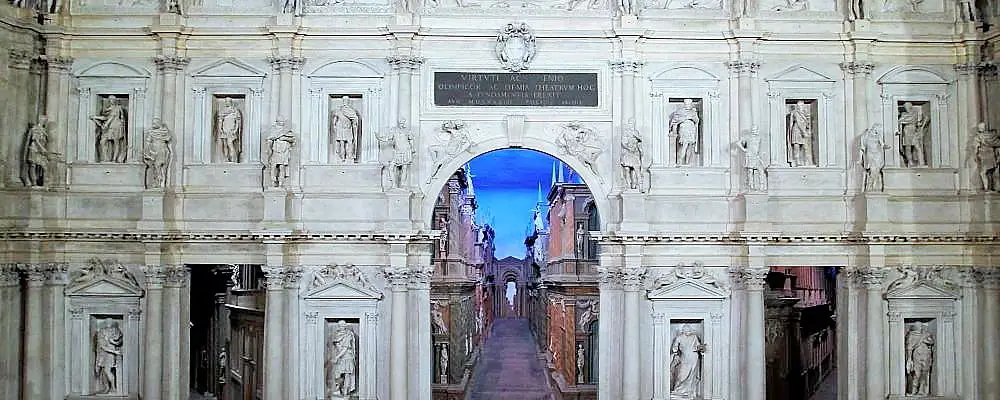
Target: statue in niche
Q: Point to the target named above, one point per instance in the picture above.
(341, 364)
(580, 357)
(632, 158)
(229, 130)
(456, 139)
(581, 240)
(919, 345)
(399, 145)
(685, 363)
(108, 353)
(157, 154)
(280, 143)
(36, 154)
(987, 145)
(443, 363)
(345, 122)
(800, 135)
(871, 157)
(753, 161)
(444, 225)
(912, 125)
(684, 122)
(589, 313)
(111, 124)
(582, 142)
(437, 317)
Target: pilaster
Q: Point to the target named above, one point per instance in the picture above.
(989, 379)
(419, 300)
(152, 362)
(753, 279)
(57, 108)
(55, 326)
(872, 278)
(292, 278)
(398, 279)
(611, 328)
(10, 329)
(34, 383)
(274, 374)
(175, 332)
(405, 67)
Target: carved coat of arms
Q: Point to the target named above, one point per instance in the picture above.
(515, 46)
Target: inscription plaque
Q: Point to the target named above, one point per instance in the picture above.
(515, 89)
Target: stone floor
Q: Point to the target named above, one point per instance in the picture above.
(828, 389)
(509, 368)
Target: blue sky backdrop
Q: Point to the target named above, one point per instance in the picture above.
(506, 183)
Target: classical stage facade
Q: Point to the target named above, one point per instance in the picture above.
(241, 198)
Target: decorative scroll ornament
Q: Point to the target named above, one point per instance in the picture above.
(515, 46)
(693, 272)
(347, 273)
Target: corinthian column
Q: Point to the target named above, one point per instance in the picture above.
(273, 329)
(744, 71)
(405, 66)
(398, 279)
(610, 331)
(753, 279)
(10, 329)
(872, 277)
(991, 350)
(285, 65)
(632, 280)
(291, 342)
(175, 330)
(57, 108)
(169, 66)
(420, 305)
(152, 360)
(33, 376)
(55, 282)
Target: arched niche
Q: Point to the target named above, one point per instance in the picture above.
(95, 82)
(668, 88)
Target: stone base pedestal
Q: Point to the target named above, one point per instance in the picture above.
(170, 19)
(284, 19)
(634, 212)
(757, 219)
(152, 210)
(876, 212)
(747, 24)
(858, 25)
(274, 207)
(398, 210)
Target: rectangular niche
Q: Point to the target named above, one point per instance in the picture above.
(340, 361)
(801, 128)
(920, 347)
(684, 129)
(687, 358)
(111, 128)
(346, 113)
(912, 137)
(229, 127)
(107, 338)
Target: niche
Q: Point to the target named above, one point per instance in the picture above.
(228, 127)
(346, 127)
(913, 133)
(111, 126)
(684, 128)
(801, 126)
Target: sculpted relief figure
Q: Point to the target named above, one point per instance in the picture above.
(345, 122)
(871, 156)
(456, 138)
(111, 132)
(157, 154)
(800, 136)
(685, 363)
(684, 122)
(396, 155)
(438, 318)
(632, 160)
(341, 364)
(856, 10)
(107, 358)
(912, 126)
(229, 130)
(36, 154)
(280, 142)
(581, 142)
(986, 157)
(919, 345)
(754, 163)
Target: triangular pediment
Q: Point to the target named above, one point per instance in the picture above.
(229, 68)
(800, 74)
(923, 290)
(343, 290)
(111, 69)
(687, 289)
(105, 286)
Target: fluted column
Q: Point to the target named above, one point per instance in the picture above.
(10, 330)
(632, 277)
(273, 328)
(398, 279)
(174, 328)
(55, 326)
(969, 342)
(56, 107)
(33, 376)
(152, 360)
(291, 342)
(285, 65)
(754, 280)
(169, 66)
(990, 385)
(610, 330)
(858, 73)
(872, 277)
(419, 304)
(405, 67)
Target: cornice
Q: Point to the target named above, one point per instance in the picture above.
(779, 238)
(246, 237)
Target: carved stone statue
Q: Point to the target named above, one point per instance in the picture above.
(632, 159)
(229, 130)
(580, 363)
(107, 358)
(871, 156)
(36, 154)
(280, 142)
(919, 344)
(967, 11)
(800, 136)
(628, 7)
(345, 123)
(856, 10)
(987, 159)
(684, 122)
(685, 362)
(399, 145)
(456, 139)
(111, 137)
(590, 310)
(444, 225)
(437, 318)
(157, 154)
(581, 240)
(753, 161)
(443, 363)
(341, 364)
(913, 123)
(581, 142)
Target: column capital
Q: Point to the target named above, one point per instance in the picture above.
(175, 276)
(857, 67)
(56, 274)
(988, 69)
(274, 277)
(872, 277)
(58, 63)
(292, 277)
(743, 67)
(155, 274)
(403, 62)
(420, 277)
(285, 63)
(9, 275)
(20, 58)
(627, 66)
(966, 69)
(398, 278)
(990, 277)
(609, 278)
(633, 278)
(751, 278)
(171, 63)
(34, 274)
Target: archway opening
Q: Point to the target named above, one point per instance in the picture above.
(515, 271)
